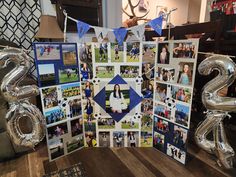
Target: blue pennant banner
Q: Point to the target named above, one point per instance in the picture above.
(120, 34)
(156, 24)
(82, 28)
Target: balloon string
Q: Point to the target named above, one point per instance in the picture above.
(65, 25)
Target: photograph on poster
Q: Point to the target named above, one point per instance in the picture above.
(89, 120)
(132, 52)
(146, 122)
(75, 144)
(132, 139)
(104, 139)
(129, 71)
(118, 139)
(165, 74)
(47, 74)
(55, 115)
(163, 56)
(117, 52)
(158, 141)
(90, 138)
(182, 114)
(149, 53)
(147, 73)
(49, 97)
(106, 123)
(161, 92)
(129, 123)
(75, 107)
(105, 71)
(147, 106)
(162, 111)
(48, 51)
(57, 130)
(56, 148)
(85, 52)
(185, 73)
(176, 153)
(180, 136)
(69, 54)
(181, 94)
(70, 90)
(101, 52)
(184, 50)
(161, 125)
(147, 88)
(76, 127)
(87, 88)
(146, 139)
(117, 98)
(68, 75)
(86, 71)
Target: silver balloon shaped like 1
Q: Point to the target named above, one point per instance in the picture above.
(218, 108)
(17, 97)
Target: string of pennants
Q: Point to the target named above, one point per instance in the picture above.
(120, 33)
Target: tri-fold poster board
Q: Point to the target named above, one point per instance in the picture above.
(138, 94)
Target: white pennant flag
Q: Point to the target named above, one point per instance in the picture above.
(138, 31)
(101, 33)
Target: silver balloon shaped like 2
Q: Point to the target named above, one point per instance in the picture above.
(217, 109)
(17, 97)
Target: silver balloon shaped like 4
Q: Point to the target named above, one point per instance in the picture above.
(18, 99)
(217, 109)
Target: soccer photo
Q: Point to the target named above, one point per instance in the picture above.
(129, 71)
(68, 75)
(105, 71)
(132, 52)
(50, 97)
(101, 52)
(48, 51)
(117, 52)
(70, 90)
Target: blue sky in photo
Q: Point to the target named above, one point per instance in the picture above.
(182, 108)
(51, 111)
(46, 69)
(68, 48)
(63, 87)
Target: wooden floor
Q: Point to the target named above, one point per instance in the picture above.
(105, 162)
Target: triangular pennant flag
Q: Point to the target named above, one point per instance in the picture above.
(101, 33)
(82, 28)
(138, 31)
(120, 34)
(156, 24)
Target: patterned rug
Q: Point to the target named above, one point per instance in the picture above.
(76, 170)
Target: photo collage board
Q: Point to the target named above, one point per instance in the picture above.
(174, 78)
(117, 102)
(60, 89)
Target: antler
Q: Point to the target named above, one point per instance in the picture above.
(132, 7)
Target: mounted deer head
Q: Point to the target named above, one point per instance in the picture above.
(133, 18)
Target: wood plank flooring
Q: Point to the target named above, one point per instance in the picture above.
(106, 162)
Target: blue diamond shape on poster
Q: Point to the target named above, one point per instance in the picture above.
(135, 99)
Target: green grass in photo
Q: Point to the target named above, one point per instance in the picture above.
(105, 74)
(128, 126)
(100, 59)
(133, 59)
(146, 144)
(106, 126)
(146, 129)
(113, 55)
(63, 78)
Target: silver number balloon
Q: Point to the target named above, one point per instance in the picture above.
(218, 108)
(17, 97)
